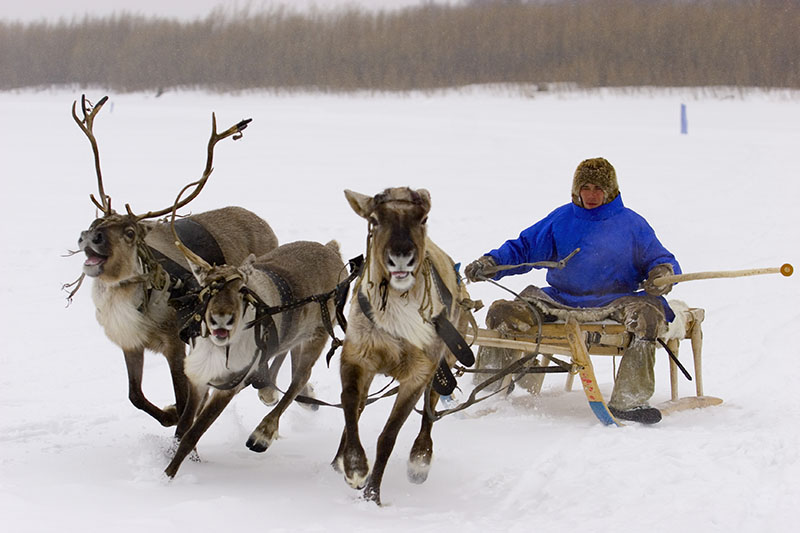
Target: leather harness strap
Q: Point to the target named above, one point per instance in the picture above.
(182, 281)
(443, 381)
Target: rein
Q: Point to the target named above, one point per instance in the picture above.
(372, 398)
(517, 367)
(339, 294)
(264, 330)
(520, 366)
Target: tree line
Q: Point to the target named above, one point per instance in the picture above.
(587, 43)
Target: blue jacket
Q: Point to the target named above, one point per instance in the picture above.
(618, 249)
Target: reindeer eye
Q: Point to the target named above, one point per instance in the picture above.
(424, 220)
(373, 220)
(129, 233)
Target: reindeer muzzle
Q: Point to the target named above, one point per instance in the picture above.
(96, 247)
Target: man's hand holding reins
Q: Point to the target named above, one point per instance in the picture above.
(480, 269)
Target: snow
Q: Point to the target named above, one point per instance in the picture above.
(68, 10)
(75, 455)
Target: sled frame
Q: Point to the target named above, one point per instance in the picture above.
(581, 341)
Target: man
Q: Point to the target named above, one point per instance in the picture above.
(619, 251)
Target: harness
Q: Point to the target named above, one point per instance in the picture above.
(265, 330)
(443, 381)
(183, 284)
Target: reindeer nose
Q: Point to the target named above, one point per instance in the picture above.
(95, 236)
(221, 320)
(401, 261)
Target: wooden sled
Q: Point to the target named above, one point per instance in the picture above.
(580, 341)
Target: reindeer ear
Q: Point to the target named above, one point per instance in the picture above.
(200, 272)
(361, 203)
(425, 196)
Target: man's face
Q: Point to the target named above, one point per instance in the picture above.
(592, 196)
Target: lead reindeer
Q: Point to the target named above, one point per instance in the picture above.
(405, 304)
(137, 269)
(231, 355)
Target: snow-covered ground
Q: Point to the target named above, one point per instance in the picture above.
(55, 10)
(75, 455)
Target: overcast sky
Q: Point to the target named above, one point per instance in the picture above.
(33, 10)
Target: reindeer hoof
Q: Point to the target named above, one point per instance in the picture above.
(417, 469)
(169, 416)
(269, 395)
(171, 470)
(259, 442)
(356, 472)
(372, 494)
(338, 464)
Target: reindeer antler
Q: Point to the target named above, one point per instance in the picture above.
(190, 255)
(86, 125)
(236, 131)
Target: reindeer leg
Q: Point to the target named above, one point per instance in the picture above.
(308, 389)
(134, 361)
(213, 408)
(176, 354)
(269, 395)
(407, 396)
(195, 402)
(419, 460)
(338, 460)
(355, 382)
(307, 354)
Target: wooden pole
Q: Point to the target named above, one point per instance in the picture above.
(785, 269)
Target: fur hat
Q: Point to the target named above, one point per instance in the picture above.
(596, 171)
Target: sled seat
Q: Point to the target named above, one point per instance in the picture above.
(609, 338)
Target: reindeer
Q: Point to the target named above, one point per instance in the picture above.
(137, 269)
(399, 325)
(229, 355)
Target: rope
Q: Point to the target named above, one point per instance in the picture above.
(516, 367)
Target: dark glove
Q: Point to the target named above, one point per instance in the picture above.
(658, 271)
(477, 270)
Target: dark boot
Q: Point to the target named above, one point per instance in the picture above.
(643, 415)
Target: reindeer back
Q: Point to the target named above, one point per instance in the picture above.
(234, 232)
(307, 267)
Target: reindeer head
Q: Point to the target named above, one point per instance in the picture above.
(224, 290)
(224, 313)
(114, 243)
(397, 220)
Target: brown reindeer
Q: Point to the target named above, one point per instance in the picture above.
(137, 269)
(407, 296)
(231, 355)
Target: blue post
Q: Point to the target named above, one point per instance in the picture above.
(684, 121)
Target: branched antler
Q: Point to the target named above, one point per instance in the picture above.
(87, 125)
(190, 255)
(236, 132)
